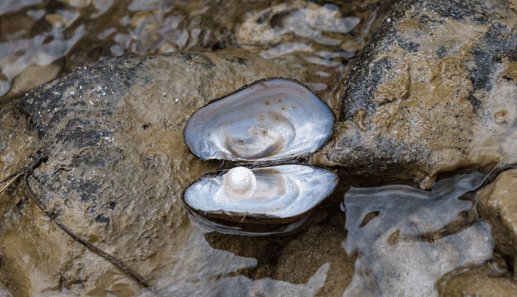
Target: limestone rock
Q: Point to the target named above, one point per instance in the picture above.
(498, 205)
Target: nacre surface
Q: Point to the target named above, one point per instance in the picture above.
(282, 191)
(269, 120)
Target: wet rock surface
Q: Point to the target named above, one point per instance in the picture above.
(497, 203)
(482, 282)
(117, 166)
(433, 91)
(17, 140)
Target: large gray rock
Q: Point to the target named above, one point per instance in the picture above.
(434, 90)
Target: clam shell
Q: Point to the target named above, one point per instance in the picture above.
(283, 192)
(269, 120)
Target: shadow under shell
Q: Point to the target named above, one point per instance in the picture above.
(246, 229)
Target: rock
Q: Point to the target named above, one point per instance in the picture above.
(433, 91)
(480, 282)
(297, 19)
(33, 76)
(17, 139)
(498, 205)
(116, 167)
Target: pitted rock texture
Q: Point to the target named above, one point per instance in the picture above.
(434, 90)
(18, 139)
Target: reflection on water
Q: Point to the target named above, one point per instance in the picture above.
(39, 39)
(408, 238)
(202, 270)
(243, 229)
(301, 28)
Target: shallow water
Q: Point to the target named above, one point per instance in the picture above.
(41, 39)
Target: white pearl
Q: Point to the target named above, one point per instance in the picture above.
(239, 183)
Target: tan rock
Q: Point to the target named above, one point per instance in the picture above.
(433, 92)
(479, 282)
(498, 205)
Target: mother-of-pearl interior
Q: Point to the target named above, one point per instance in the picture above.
(281, 191)
(269, 120)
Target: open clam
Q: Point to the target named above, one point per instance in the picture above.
(269, 122)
